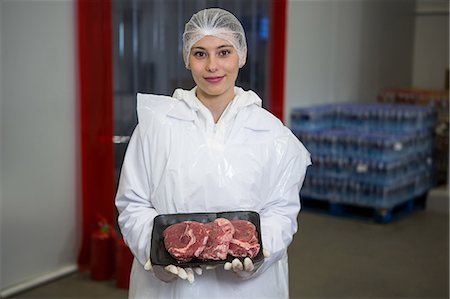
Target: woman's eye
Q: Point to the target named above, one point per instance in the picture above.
(199, 54)
(224, 53)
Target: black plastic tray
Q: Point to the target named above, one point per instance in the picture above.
(160, 256)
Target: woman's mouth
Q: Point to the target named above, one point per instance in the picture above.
(214, 79)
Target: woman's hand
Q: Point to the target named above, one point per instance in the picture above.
(243, 269)
(183, 273)
(171, 272)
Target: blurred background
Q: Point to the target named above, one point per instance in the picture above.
(363, 84)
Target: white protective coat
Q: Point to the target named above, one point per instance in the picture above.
(179, 161)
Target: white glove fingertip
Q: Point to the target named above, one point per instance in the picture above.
(172, 269)
(209, 267)
(248, 265)
(266, 253)
(237, 265)
(190, 275)
(198, 270)
(227, 266)
(182, 273)
(148, 265)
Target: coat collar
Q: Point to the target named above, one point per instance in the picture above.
(182, 111)
(187, 106)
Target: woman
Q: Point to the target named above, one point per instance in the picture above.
(211, 149)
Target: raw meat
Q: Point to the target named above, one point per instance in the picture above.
(211, 241)
(245, 240)
(220, 233)
(185, 240)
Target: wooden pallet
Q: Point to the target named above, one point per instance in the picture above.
(377, 214)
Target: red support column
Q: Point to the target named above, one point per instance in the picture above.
(95, 94)
(277, 56)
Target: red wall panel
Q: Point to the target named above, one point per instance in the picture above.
(94, 34)
(277, 57)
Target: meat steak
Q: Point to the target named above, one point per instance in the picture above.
(185, 240)
(245, 240)
(220, 233)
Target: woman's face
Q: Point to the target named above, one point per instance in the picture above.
(214, 64)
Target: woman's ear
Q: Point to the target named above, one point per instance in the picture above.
(243, 59)
(186, 62)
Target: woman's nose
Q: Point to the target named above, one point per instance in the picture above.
(211, 65)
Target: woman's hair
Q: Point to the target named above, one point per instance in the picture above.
(214, 22)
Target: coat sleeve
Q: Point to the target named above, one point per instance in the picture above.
(281, 208)
(136, 213)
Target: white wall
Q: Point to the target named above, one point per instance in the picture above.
(39, 234)
(340, 51)
(431, 44)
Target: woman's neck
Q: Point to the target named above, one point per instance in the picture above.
(215, 104)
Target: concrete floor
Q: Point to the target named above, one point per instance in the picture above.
(336, 258)
(341, 258)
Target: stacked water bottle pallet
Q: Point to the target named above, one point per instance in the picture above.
(372, 158)
(439, 99)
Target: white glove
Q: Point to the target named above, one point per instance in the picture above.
(171, 272)
(238, 267)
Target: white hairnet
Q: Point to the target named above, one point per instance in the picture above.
(216, 22)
